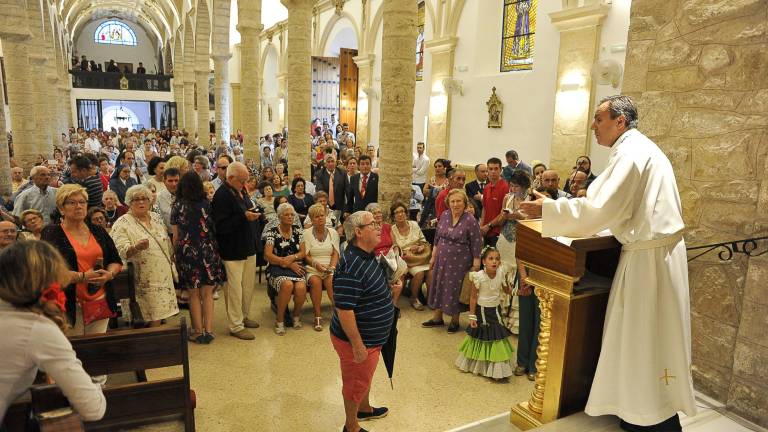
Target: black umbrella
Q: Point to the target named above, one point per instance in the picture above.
(389, 348)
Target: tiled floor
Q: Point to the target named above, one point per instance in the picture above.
(293, 383)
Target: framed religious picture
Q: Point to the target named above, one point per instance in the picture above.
(495, 110)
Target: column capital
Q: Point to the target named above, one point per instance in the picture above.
(579, 17)
(12, 33)
(221, 57)
(365, 60)
(247, 25)
(441, 45)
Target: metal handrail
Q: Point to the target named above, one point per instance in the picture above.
(111, 80)
(729, 248)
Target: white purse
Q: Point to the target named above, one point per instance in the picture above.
(394, 264)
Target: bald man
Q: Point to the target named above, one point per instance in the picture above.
(8, 233)
(550, 179)
(577, 182)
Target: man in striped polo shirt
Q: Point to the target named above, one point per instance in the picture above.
(362, 320)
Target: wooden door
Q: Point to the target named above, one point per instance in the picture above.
(348, 88)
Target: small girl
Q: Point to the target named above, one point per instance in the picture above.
(209, 190)
(486, 349)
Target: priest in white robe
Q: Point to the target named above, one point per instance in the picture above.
(644, 372)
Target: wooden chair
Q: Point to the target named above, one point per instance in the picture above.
(134, 404)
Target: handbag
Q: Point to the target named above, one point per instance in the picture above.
(174, 271)
(394, 265)
(413, 259)
(95, 310)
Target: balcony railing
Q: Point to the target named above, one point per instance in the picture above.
(112, 81)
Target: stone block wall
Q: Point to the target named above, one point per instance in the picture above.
(698, 70)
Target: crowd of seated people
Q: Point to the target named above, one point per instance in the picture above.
(193, 215)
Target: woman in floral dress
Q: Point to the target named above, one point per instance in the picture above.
(197, 257)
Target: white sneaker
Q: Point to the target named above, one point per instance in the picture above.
(280, 329)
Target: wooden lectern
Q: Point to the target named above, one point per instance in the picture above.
(572, 283)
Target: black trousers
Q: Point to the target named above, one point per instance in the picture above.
(528, 339)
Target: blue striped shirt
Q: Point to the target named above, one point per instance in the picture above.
(360, 284)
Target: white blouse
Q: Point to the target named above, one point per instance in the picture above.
(489, 290)
(31, 342)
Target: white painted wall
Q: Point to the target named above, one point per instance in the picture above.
(528, 96)
(146, 51)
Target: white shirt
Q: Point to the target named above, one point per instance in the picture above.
(420, 167)
(165, 200)
(92, 145)
(32, 342)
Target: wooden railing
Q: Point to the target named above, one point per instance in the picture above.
(112, 81)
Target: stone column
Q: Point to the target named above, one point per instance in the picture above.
(439, 126)
(5, 160)
(299, 82)
(16, 37)
(366, 97)
(222, 93)
(178, 78)
(398, 86)
(579, 48)
(249, 26)
(38, 61)
(202, 69)
(189, 79)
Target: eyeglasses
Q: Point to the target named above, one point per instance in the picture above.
(224, 167)
(8, 231)
(140, 199)
(75, 203)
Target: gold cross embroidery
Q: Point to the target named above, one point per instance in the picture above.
(666, 376)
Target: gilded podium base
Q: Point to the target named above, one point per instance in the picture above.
(523, 418)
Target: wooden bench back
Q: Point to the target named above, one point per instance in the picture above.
(132, 350)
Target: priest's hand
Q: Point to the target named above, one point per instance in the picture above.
(533, 208)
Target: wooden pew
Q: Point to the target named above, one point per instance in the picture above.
(134, 404)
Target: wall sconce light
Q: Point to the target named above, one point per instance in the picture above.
(572, 81)
(453, 86)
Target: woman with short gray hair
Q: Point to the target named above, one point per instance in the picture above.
(143, 241)
(284, 250)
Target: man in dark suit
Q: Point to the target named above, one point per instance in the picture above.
(363, 187)
(333, 181)
(475, 188)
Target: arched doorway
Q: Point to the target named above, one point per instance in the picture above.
(335, 75)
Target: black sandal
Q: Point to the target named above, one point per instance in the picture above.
(432, 323)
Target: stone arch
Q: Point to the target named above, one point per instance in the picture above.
(378, 17)
(268, 48)
(453, 21)
(335, 19)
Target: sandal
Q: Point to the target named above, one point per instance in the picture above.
(297, 322)
(416, 304)
(196, 337)
(318, 324)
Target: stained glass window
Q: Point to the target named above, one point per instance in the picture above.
(115, 33)
(518, 35)
(420, 43)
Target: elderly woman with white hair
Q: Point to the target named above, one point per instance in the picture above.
(143, 240)
(284, 249)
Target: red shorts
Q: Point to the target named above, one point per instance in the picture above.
(355, 377)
